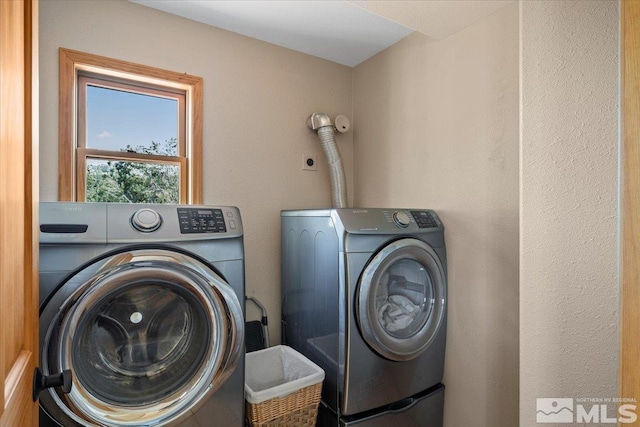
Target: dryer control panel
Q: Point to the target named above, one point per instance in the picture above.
(404, 218)
(424, 219)
(379, 220)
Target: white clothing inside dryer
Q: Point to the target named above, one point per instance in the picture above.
(397, 313)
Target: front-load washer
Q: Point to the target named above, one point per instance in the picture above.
(365, 297)
(143, 304)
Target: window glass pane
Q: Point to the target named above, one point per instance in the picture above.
(141, 343)
(120, 121)
(404, 298)
(132, 182)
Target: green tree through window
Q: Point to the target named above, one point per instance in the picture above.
(134, 181)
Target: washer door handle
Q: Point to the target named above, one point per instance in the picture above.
(40, 382)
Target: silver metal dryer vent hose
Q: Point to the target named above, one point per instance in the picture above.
(321, 123)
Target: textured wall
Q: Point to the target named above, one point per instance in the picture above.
(257, 98)
(436, 126)
(568, 228)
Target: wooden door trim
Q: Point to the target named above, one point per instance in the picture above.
(18, 388)
(19, 177)
(629, 359)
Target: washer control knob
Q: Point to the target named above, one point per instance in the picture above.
(401, 219)
(146, 220)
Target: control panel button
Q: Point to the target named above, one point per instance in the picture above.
(146, 220)
(401, 219)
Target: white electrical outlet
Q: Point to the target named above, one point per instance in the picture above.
(309, 162)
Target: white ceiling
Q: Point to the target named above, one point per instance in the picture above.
(346, 32)
(435, 18)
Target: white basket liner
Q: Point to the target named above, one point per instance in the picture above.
(277, 372)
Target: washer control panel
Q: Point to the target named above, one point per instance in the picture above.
(424, 219)
(198, 220)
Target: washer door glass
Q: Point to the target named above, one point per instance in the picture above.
(148, 334)
(140, 343)
(401, 299)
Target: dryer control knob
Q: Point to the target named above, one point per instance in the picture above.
(401, 219)
(146, 220)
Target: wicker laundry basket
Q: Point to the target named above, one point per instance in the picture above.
(282, 388)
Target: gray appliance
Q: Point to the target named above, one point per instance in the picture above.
(143, 304)
(365, 297)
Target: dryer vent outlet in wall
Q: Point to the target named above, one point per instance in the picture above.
(321, 123)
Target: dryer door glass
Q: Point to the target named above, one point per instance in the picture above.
(148, 334)
(401, 299)
(404, 298)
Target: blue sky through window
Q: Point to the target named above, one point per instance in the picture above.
(117, 118)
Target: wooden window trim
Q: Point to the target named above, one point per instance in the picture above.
(71, 62)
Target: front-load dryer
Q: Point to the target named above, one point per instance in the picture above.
(365, 297)
(143, 304)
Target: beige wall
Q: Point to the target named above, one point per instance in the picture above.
(568, 201)
(436, 126)
(257, 97)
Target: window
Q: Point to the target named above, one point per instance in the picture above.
(128, 133)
